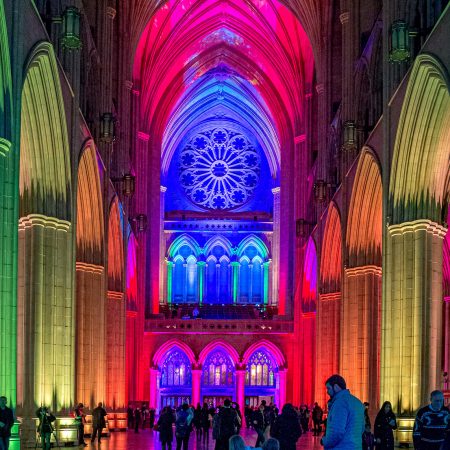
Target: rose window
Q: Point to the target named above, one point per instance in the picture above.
(219, 169)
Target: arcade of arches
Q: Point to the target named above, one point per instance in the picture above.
(203, 200)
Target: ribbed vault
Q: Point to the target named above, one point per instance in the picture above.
(365, 215)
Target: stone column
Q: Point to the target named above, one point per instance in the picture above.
(280, 393)
(217, 282)
(240, 387)
(235, 281)
(201, 280)
(154, 387)
(328, 335)
(276, 250)
(360, 339)
(115, 349)
(8, 273)
(412, 314)
(162, 245)
(90, 334)
(185, 285)
(265, 282)
(169, 281)
(196, 386)
(250, 287)
(46, 334)
(446, 331)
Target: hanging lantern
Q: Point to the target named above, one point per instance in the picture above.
(71, 28)
(107, 128)
(320, 191)
(400, 51)
(128, 185)
(349, 134)
(141, 223)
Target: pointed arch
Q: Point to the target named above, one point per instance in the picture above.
(364, 227)
(256, 242)
(131, 278)
(309, 282)
(266, 346)
(115, 247)
(331, 254)
(45, 184)
(219, 344)
(6, 115)
(159, 355)
(90, 226)
(180, 241)
(421, 160)
(218, 241)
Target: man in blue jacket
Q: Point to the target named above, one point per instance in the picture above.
(345, 421)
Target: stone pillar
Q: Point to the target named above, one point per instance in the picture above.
(201, 280)
(235, 281)
(90, 334)
(154, 387)
(107, 55)
(360, 339)
(169, 281)
(115, 349)
(446, 331)
(185, 285)
(276, 250)
(328, 335)
(162, 245)
(8, 273)
(217, 282)
(46, 334)
(196, 386)
(265, 281)
(240, 387)
(281, 388)
(250, 287)
(412, 314)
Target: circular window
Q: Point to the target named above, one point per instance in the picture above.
(219, 169)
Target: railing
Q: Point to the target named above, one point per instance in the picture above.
(219, 326)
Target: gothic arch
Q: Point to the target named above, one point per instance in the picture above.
(180, 241)
(256, 242)
(220, 241)
(168, 346)
(309, 279)
(115, 247)
(331, 254)
(219, 344)
(264, 344)
(5, 86)
(90, 226)
(421, 160)
(364, 227)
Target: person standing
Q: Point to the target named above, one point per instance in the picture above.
(6, 423)
(345, 421)
(286, 428)
(137, 419)
(385, 423)
(205, 424)
(45, 428)
(259, 425)
(98, 421)
(183, 426)
(366, 415)
(431, 424)
(164, 425)
(130, 417)
(317, 414)
(229, 421)
(80, 419)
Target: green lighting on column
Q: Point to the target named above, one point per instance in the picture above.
(235, 266)
(266, 282)
(201, 280)
(169, 281)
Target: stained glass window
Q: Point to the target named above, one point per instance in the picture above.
(219, 169)
(260, 370)
(218, 370)
(176, 370)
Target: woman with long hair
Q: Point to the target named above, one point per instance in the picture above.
(286, 428)
(385, 423)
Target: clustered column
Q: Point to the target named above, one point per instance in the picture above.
(276, 245)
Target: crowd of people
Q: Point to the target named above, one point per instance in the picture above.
(347, 425)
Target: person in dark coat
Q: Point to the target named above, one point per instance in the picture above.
(6, 423)
(130, 417)
(258, 423)
(286, 428)
(229, 421)
(317, 414)
(197, 421)
(98, 421)
(137, 419)
(165, 422)
(45, 428)
(205, 423)
(80, 419)
(385, 422)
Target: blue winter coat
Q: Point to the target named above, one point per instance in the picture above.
(345, 423)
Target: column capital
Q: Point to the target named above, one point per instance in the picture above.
(5, 146)
(344, 17)
(111, 12)
(276, 190)
(418, 225)
(128, 85)
(320, 88)
(163, 189)
(299, 139)
(142, 136)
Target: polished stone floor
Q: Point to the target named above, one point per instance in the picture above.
(147, 439)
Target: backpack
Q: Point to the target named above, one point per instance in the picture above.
(181, 425)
